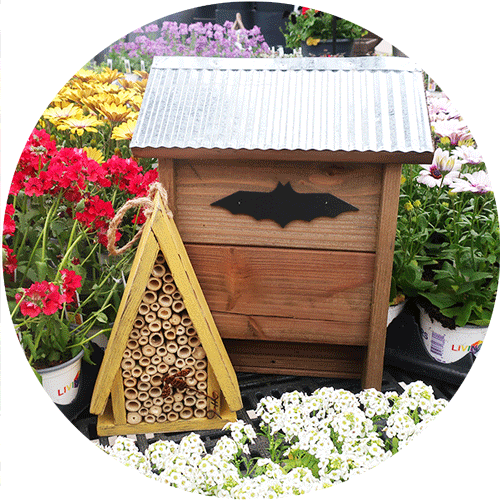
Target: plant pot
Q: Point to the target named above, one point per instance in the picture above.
(394, 311)
(448, 346)
(61, 382)
(325, 48)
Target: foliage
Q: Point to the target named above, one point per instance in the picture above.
(447, 243)
(312, 26)
(313, 442)
(197, 39)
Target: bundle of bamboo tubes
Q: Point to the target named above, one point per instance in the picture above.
(162, 343)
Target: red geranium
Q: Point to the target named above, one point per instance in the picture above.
(9, 260)
(9, 225)
(40, 297)
(71, 281)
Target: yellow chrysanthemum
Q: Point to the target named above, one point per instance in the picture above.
(80, 124)
(113, 112)
(79, 92)
(108, 75)
(312, 41)
(85, 75)
(140, 86)
(94, 154)
(124, 131)
(57, 115)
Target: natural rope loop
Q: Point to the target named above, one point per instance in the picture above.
(147, 203)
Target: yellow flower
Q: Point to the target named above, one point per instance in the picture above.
(143, 74)
(408, 206)
(94, 154)
(403, 179)
(417, 203)
(312, 41)
(85, 75)
(113, 112)
(124, 131)
(108, 75)
(445, 140)
(80, 124)
(57, 115)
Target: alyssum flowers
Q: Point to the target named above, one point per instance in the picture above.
(314, 441)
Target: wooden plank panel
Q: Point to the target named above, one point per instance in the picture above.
(295, 358)
(319, 285)
(200, 183)
(118, 399)
(245, 327)
(373, 369)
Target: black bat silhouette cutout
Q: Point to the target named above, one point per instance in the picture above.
(284, 205)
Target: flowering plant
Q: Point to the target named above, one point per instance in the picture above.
(447, 243)
(313, 441)
(197, 39)
(311, 26)
(60, 205)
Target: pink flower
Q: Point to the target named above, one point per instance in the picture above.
(467, 154)
(455, 130)
(477, 182)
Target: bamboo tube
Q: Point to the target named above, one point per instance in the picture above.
(182, 339)
(177, 295)
(164, 312)
(149, 318)
(154, 284)
(156, 359)
(156, 340)
(180, 363)
(155, 392)
(201, 375)
(145, 377)
(158, 270)
(161, 418)
(201, 403)
(155, 326)
(160, 259)
(169, 359)
(186, 413)
(150, 419)
(190, 391)
(167, 407)
(190, 331)
(194, 341)
(136, 354)
(148, 403)
(161, 351)
(148, 350)
(151, 369)
(143, 412)
(184, 351)
(200, 364)
(202, 386)
(130, 393)
(175, 319)
(139, 322)
(165, 302)
(126, 374)
(178, 406)
(133, 418)
(155, 410)
(129, 382)
(132, 344)
(145, 361)
(167, 277)
(143, 339)
(162, 367)
(169, 400)
(156, 380)
(134, 334)
(127, 363)
(154, 307)
(168, 289)
(144, 309)
(170, 335)
(150, 297)
(186, 320)
(158, 401)
(190, 361)
(199, 353)
(136, 371)
(132, 405)
(180, 330)
(191, 382)
(198, 413)
(172, 347)
(189, 371)
(143, 386)
(172, 416)
(173, 370)
(178, 397)
(143, 396)
(127, 353)
(189, 401)
(177, 307)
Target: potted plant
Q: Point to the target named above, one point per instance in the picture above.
(452, 229)
(60, 205)
(313, 31)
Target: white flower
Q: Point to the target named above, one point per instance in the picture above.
(442, 171)
(467, 154)
(477, 182)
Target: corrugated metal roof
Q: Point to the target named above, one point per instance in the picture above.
(324, 104)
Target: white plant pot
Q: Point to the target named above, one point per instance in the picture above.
(448, 346)
(394, 311)
(61, 382)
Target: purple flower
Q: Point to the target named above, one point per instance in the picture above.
(152, 28)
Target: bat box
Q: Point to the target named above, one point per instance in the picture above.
(284, 176)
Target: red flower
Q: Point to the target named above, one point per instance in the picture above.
(9, 260)
(304, 10)
(40, 297)
(71, 281)
(9, 226)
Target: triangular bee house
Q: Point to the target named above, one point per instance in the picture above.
(165, 366)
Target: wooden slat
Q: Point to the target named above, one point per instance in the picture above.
(245, 327)
(313, 285)
(291, 358)
(185, 278)
(132, 296)
(118, 399)
(166, 175)
(200, 183)
(373, 369)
